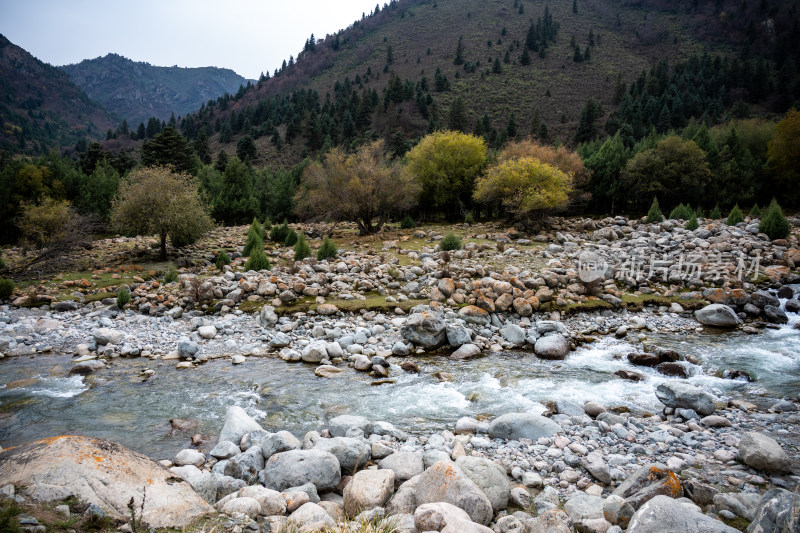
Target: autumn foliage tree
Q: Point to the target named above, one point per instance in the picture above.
(365, 187)
(156, 200)
(446, 164)
(525, 187)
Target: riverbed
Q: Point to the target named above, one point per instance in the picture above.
(122, 404)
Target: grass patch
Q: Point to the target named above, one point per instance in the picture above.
(736, 523)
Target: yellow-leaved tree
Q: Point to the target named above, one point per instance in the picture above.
(525, 187)
(446, 164)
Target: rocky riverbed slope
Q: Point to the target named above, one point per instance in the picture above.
(695, 466)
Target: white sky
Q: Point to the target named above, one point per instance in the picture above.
(248, 36)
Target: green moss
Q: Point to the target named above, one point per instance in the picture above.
(737, 523)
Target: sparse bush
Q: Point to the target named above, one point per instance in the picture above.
(267, 226)
(469, 218)
(301, 248)
(716, 213)
(257, 261)
(222, 259)
(692, 224)
(408, 223)
(773, 223)
(394, 273)
(735, 216)
(654, 214)
(327, 250)
(755, 211)
(171, 275)
(681, 212)
(278, 233)
(291, 238)
(6, 288)
(450, 242)
(2, 263)
(123, 297)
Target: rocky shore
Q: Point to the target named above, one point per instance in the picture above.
(703, 463)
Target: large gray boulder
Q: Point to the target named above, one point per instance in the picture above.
(267, 317)
(662, 513)
(513, 334)
(515, 426)
(102, 473)
(445, 482)
(245, 466)
(489, 476)
(211, 487)
(298, 467)
(367, 490)
(103, 336)
(446, 518)
(237, 424)
(717, 315)
(341, 425)
(351, 453)
(405, 465)
(553, 346)
(682, 395)
(584, 506)
(282, 441)
(763, 453)
(777, 511)
(311, 517)
(426, 329)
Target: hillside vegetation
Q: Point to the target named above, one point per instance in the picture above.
(40, 107)
(510, 68)
(136, 91)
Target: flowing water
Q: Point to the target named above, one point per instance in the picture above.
(119, 404)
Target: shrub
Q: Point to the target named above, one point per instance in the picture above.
(408, 223)
(327, 250)
(222, 259)
(123, 297)
(692, 224)
(6, 288)
(773, 223)
(450, 242)
(681, 212)
(257, 261)
(254, 242)
(394, 273)
(171, 275)
(716, 213)
(267, 226)
(279, 233)
(735, 216)
(301, 248)
(2, 263)
(654, 214)
(469, 218)
(755, 211)
(256, 228)
(291, 238)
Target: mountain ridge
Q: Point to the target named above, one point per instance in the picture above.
(137, 90)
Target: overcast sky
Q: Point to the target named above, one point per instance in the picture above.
(248, 36)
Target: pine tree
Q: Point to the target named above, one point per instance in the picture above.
(525, 59)
(654, 214)
(459, 60)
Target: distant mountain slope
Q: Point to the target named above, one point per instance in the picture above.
(513, 67)
(40, 107)
(137, 91)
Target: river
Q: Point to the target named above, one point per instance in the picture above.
(120, 404)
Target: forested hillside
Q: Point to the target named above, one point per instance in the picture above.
(510, 68)
(40, 107)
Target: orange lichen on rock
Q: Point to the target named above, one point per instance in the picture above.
(671, 484)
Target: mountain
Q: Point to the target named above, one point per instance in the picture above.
(137, 91)
(41, 108)
(505, 68)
